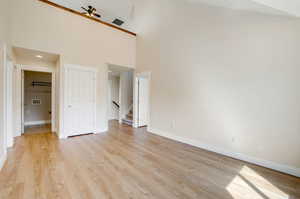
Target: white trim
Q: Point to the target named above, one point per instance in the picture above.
(3, 160)
(37, 68)
(53, 105)
(40, 122)
(22, 101)
(51, 70)
(265, 163)
(62, 136)
(61, 104)
(104, 130)
(9, 102)
(3, 126)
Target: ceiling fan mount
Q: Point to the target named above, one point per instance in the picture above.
(91, 11)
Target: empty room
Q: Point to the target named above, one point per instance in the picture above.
(164, 99)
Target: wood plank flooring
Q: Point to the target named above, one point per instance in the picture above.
(128, 163)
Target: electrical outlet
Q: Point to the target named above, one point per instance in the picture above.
(173, 124)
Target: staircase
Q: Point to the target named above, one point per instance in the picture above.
(129, 119)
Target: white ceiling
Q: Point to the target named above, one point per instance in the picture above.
(124, 9)
(273, 7)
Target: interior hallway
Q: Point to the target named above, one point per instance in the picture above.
(131, 163)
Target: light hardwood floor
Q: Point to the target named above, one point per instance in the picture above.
(128, 163)
(46, 128)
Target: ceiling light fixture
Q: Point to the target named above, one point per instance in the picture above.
(90, 11)
(39, 56)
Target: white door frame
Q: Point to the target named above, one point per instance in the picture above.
(7, 81)
(3, 78)
(135, 97)
(20, 94)
(9, 102)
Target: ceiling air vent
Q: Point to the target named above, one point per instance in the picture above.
(118, 22)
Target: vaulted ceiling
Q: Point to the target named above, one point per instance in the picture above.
(124, 9)
(247, 5)
(277, 7)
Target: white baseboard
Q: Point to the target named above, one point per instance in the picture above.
(37, 122)
(2, 160)
(265, 163)
(61, 137)
(101, 130)
(98, 131)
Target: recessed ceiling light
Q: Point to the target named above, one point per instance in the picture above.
(39, 56)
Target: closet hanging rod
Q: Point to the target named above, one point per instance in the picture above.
(48, 84)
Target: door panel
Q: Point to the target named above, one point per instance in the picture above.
(80, 105)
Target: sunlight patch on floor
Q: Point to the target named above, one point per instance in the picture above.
(249, 184)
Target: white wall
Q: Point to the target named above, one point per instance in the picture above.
(3, 20)
(38, 26)
(224, 80)
(35, 114)
(3, 38)
(79, 41)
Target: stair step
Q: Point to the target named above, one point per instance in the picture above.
(127, 121)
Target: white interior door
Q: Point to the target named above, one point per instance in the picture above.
(143, 101)
(80, 98)
(87, 102)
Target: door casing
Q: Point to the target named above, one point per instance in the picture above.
(19, 107)
(136, 98)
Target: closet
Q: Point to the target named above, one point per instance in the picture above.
(79, 100)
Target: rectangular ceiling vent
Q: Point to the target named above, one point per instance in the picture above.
(118, 22)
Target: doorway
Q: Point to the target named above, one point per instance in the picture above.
(36, 102)
(120, 94)
(114, 96)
